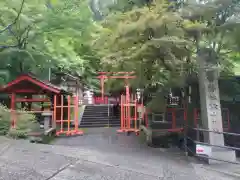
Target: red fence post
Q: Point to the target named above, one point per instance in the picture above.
(13, 112)
(135, 113)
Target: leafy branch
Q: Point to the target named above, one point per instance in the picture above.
(15, 20)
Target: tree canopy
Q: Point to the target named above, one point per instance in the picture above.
(158, 39)
(37, 35)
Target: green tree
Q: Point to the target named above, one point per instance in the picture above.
(212, 24)
(149, 40)
(159, 40)
(37, 35)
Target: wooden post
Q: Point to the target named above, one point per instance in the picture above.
(61, 120)
(135, 113)
(122, 113)
(102, 87)
(76, 113)
(13, 113)
(54, 112)
(128, 107)
(69, 114)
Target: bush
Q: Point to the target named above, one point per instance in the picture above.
(5, 121)
(24, 124)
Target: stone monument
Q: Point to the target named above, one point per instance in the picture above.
(211, 115)
(49, 125)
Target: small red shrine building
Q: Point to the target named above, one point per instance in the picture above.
(24, 87)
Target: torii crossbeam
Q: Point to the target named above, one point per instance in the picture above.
(115, 75)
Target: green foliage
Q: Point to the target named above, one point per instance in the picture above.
(214, 24)
(158, 104)
(126, 5)
(46, 34)
(4, 120)
(149, 40)
(24, 124)
(159, 41)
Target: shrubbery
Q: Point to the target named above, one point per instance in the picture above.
(5, 122)
(25, 123)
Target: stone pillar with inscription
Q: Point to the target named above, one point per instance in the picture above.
(211, 115)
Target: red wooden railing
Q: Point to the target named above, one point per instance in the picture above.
(106, 100)
(100, 100)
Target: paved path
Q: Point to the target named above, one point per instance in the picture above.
(100, 155)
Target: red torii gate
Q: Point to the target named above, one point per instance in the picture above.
(126, 103)
(115, 75)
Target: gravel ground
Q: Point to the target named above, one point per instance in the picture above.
(98, 155)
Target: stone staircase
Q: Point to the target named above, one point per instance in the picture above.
(97, 116)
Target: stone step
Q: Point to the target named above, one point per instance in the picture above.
(99, 116)
(99, 119)
(93, 114)
(100, 122)
(99, 125)
(103, 122)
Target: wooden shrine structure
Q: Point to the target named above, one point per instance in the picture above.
(27, 89)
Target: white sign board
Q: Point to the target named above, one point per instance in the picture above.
(203, 150)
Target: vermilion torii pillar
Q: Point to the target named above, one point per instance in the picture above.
(115, 75)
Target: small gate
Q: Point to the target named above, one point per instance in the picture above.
(129, 115)
(66, 115)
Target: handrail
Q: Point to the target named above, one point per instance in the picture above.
(207, 156)
(214, 131)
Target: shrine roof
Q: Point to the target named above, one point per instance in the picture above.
(30, 83)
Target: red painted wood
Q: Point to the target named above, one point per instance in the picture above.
(100, 100)
(13, 115)
(32, 100)
(25, 91)
(114, 75)
(10, 86)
